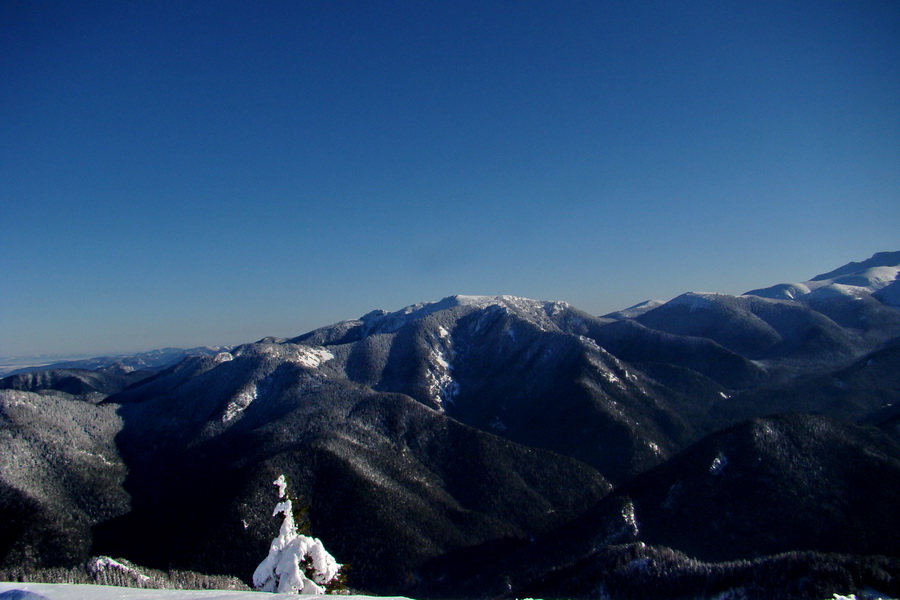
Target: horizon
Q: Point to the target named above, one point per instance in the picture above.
(28, 360)
(216, 173)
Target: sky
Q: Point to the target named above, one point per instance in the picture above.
(214, 172)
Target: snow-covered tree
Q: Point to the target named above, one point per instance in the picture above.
(296, 564)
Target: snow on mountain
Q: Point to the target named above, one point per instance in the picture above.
(538, 311)
(697, 300)
(501, 364)
(635, 311)
(853, 280)
(441, 385)
(879, 259)
(441, 432)
(535, 310)
(311, 357)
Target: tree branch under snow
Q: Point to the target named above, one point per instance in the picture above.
(296, 564)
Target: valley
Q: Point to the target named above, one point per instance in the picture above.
(492, 446)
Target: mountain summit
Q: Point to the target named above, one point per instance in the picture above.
(876, 276)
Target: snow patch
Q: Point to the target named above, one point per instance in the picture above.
(223, 357)
(600, 359)
(866, 594)
(308, 356)
(628, 515)
(611, 377)
(11, 398)
(853, 284)
(99, 457)
(697, 300)
(718, 464)
(633, 312)
(838, 290)
(589, 343)
(296, 564)
(441, 385)
(312, 357)
(240, 402)
(70, 591)
(281, 484)
(539, 312)
(102, 564)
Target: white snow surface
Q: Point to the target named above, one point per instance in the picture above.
(65, 591)
(538, 311)
(697, 300)
(718, 464)
(282, 570)
(857, 284)
(441, 385)
(312, 357)
(309, 356)
(281, 484)
(632, 312)
(240, 402)
(628, 515)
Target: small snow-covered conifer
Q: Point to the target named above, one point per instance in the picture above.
(296, 564)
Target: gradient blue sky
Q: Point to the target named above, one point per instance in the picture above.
(186, 173)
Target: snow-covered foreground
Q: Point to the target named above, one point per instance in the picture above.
(64, 591)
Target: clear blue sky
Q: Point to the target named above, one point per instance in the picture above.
(186, 173)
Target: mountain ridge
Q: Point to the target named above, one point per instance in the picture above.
(448, 435)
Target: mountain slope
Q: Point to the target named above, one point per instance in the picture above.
(783, 486)
(521, 369)
(439, 441)
(780, 487)
(861, 296)
(816, 483)
(60, 475)
(753, 327)
(856, 391)
(391, 482)
(77, 382)
(855, 279)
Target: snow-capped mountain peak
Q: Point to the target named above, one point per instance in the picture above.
(697, 300)
(636, 310)
(537, 311)
(876, 276)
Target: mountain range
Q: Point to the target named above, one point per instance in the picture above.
(484, 446)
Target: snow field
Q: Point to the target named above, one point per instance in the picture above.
(65, 591)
